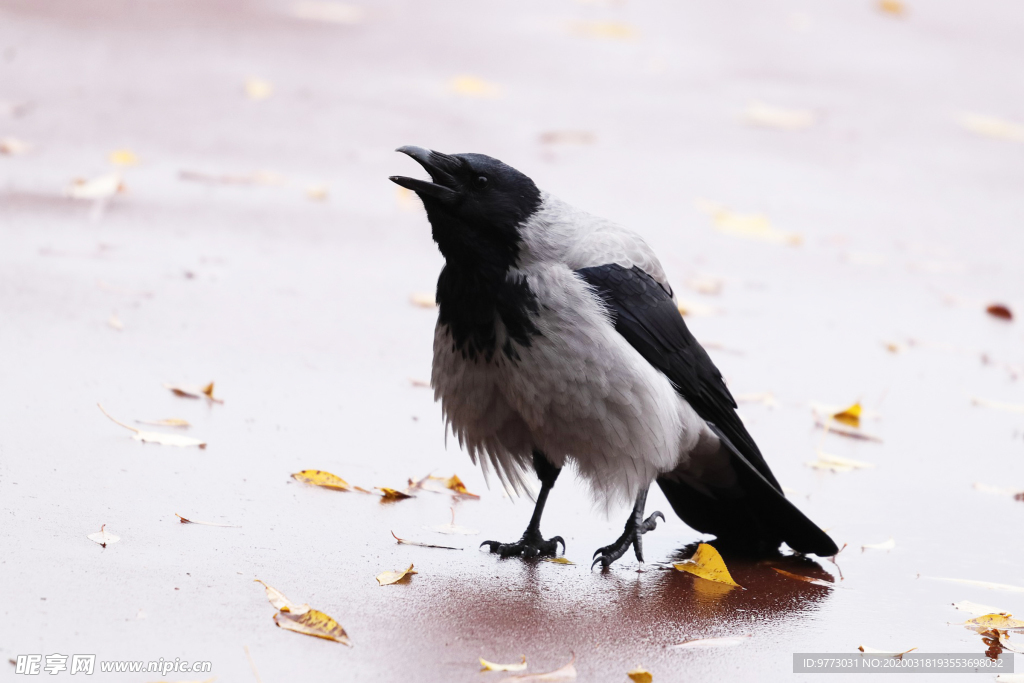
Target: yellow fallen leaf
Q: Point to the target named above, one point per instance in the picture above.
(392, 494)
(423, 299)
(491, 666)
(321, 478)
(707, 564)
(189, 391)
(329, 12)
(606, 30)
(849, 416)
(313, 623)
(565, 673)
(761, 114)
(403, 541)
(185, 520)
(388, 578)
(13, 146)
(471, 86)
(123, 157)
(893, 653)
(640, 675)
(701, 643)
(885, 545)
(103, 537)
(101, 187)
(280, 602)
(318, 193)
(1001, 622)
(837, 463)
(749, 226)
(169, 422)
(455, 484)
(258, 89)
(157, 437)
(558, 560)
(981, 584)
(115, 322)
(801, 577)
(978, 609)
(895, 7)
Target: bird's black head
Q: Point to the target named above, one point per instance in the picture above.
(475, 205)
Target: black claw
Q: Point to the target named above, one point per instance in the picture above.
(556, 540)
(631, 536)
(531, 545)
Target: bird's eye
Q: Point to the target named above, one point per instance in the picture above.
(481, 181)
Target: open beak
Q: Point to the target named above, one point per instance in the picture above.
(439, 166)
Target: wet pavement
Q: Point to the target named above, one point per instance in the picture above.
(300, 311)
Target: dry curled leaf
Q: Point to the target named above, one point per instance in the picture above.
(767, 116)
(640, 675)
(707, 564)
(565, 673)
(455, 484)
(103, 537)
(313, 623)
(885, 545)
(558, 560)
(323, 479)
(893, 653)
(999, 311)
(157, 437)
(392, 494)
(403, 541)
(280, 602)
(801, 577)
(701, 643)
(193, 391)
(491, 666)
(185, 520)
(849, 416)
(471, 86)
(978, 609)
(388, 578)
(998, 621)
(181, 423)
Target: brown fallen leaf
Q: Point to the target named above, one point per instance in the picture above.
(807, 579)
(701, 643)
(392, 494)
(103, 537)
(849, 416)
(999, 311)
(157, 437)
(491, 666)
(768, 116)
(565, 673)
(388, 578)
(302, 618)
(167, 422)
(640, 675)
(194, 391)
(707, 564)
(323, 479)
(403, 541)
(280, 602)
(455, 484)
(184, 520)
(895, 655)
(999, 621)
(471, 86)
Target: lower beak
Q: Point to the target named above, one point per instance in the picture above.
(438, 166)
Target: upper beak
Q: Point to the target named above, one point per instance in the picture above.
(439, 166)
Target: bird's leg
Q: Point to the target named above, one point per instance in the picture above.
(636, 527)
(532, 544)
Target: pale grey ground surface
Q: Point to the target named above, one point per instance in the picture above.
(300, 312)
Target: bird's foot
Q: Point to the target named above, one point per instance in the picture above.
(532, 544)
(630, 537)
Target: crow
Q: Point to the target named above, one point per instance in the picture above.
(558, 342)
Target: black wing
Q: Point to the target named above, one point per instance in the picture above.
(646, 316)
